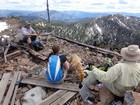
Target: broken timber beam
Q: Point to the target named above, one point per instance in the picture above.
(16, 88)
(104, 51)
(44, 83)
(59, 97)
(10, 90)
(53, 97)
(3, 85)
(34, 53)
(19, 48)
(14, 54)
(38, 55)
(63, 99)
(29, 51)
(5, 52)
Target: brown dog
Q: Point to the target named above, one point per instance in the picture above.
(75, 61)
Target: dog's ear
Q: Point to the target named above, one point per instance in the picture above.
(68, 57)
(66, 54)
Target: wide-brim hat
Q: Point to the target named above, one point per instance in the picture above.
(26, 23)
(131, 53)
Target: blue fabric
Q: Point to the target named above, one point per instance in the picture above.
(51, 73)
(37, 45)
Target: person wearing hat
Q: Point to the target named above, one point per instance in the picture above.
(119, 78)
(28, 34)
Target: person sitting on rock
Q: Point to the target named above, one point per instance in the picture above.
(120, 78)
(57, 65)
(29, 35)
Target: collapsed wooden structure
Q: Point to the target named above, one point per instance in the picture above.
(11, 93)
(11, 82)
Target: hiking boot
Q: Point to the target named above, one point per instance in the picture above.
(116, 103)
(90, 100)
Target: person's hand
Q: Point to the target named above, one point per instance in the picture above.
(91, 67)
(85, 73)
(29, 40)
(34, 34)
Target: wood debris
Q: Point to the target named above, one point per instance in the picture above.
(26, 60)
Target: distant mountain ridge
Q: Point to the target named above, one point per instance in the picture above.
(107, 31)
(59, 16)
(6, 13)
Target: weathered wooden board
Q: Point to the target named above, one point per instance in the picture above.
(14, 54)
(104, 51)
(44, 83)
(3, 84)
(38, 55)
(62, 100)
(10, 90)
(18, 102)
(31, 51)
(53, 97)
(16, 88)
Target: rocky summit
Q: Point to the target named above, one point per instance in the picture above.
(113, 30)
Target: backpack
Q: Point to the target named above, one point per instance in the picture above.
(54, 73)
(37, 45)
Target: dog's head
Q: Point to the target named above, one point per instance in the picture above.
(81, 75)
(68, 57)
(75, 61)
(73, 58)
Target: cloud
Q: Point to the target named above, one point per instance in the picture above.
(98, 4)
(23, 4)
(82, 5)
(123, 2)
(15, 3)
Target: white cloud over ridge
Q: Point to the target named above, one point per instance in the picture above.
(80, 5)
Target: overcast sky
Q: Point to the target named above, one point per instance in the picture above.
(81, 5)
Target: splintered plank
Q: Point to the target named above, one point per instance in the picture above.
(44, 83)
(16, 88)
(14, 54)
(53, 97)
(11, 89)
(38, 55)
(63, 99)
(3, 85)
(104, 51)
